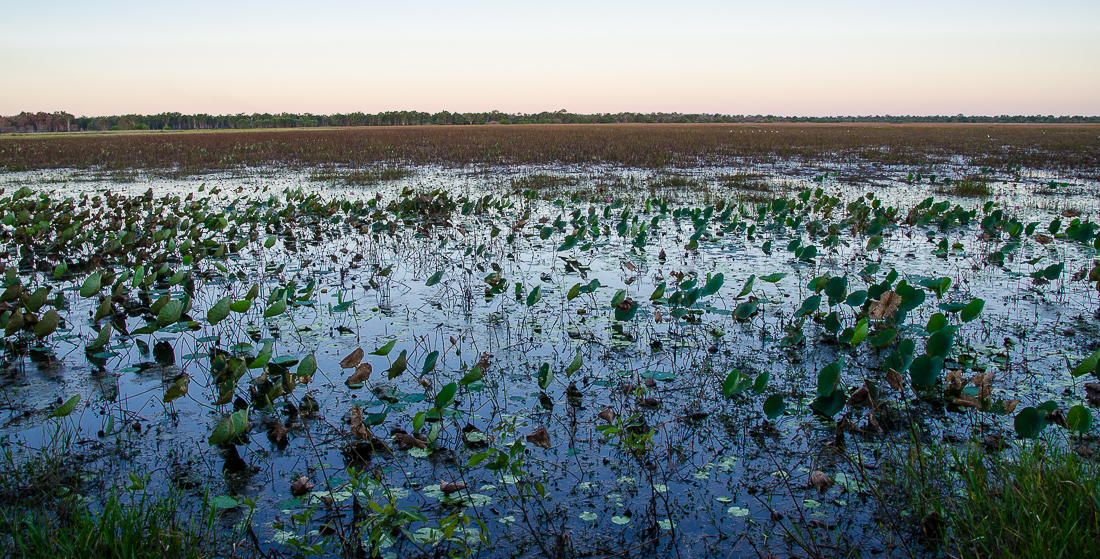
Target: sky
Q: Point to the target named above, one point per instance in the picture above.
(785, 57)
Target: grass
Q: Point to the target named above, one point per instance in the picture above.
(45, 513)
(359, 177)
(543, 181)
(1044, 502)
(970, 187)
(634, 145)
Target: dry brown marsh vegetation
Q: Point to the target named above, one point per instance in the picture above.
(645, 145)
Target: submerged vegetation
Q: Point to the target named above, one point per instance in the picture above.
(371, 352)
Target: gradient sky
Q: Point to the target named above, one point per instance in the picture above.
(786, 57)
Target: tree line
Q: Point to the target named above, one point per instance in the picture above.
(60, 121)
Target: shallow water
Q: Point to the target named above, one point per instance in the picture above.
(681, 470)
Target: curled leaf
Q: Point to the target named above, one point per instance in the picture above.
(540, 438)
(353, 359)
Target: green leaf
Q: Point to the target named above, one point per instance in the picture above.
(429, 363)
(936, 323)
(47, 324)
(972, 310)
(619, 297)
(1079, 418)
(860, 332)
(91, 285)
(534, 296)
(178, 388)
(384, 350)
(446, 396)
(270, 241)
(578, 362)
(240, 306)
(223, 433)
(472, 376)
(830, 404)
(1087, 366)
(434, 279)
(574, 292)
(884, 338)
(774, 406)
(240, 422)
(219, 311)
(745, 310)
(939, 344)
(856, 298)
(170, 314)
(873, 243)
(715, 283)
(276, 308)
(773, 278)
(748, 287)
(658, 293)
(760, 383)
(810, 305)
(735, 382)
(308, 366)
(101, 339)
(67, 408)
(829, 378)
(399, 365)
(544, 376)
(224, 502)
(1030, 422)
(925, 370)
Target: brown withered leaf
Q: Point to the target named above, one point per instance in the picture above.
(483, 361)
(607, 415)
(277, 433)
(1072, 212)
(1043, 239)
(1010, 405)
(449, 488)
(358, 429)
(406, 441)
(629, 266)
(361, 374)
(658, 317)
(893, 378)
(1092, 393)
(984, 382)
(821, 481)
(967, 401)
(859, 397)
(954, 380)
(301, 486)
(540, 438)
(886, 305)
(353, 359)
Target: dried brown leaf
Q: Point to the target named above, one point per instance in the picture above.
(448, 487)
(968, 401)
(277, 433)
(406, 441)
(361, 374)
(1043, 239)
(607, 415)
(885, 306)
(358, 429)
(893, 378)
(353, 359)
(821, 481)
(540, 438)
(301, 486)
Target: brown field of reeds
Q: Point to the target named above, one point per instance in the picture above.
(636, 145)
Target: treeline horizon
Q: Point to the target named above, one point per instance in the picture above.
(60, 121)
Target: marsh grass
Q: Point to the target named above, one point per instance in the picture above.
(673, 180)
(543, 181)
(44, 511)
(1044, 502)
(359, 177)
(969, 187)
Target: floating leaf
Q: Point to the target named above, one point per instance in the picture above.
(773, 278)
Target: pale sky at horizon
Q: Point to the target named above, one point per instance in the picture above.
(793, 57)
